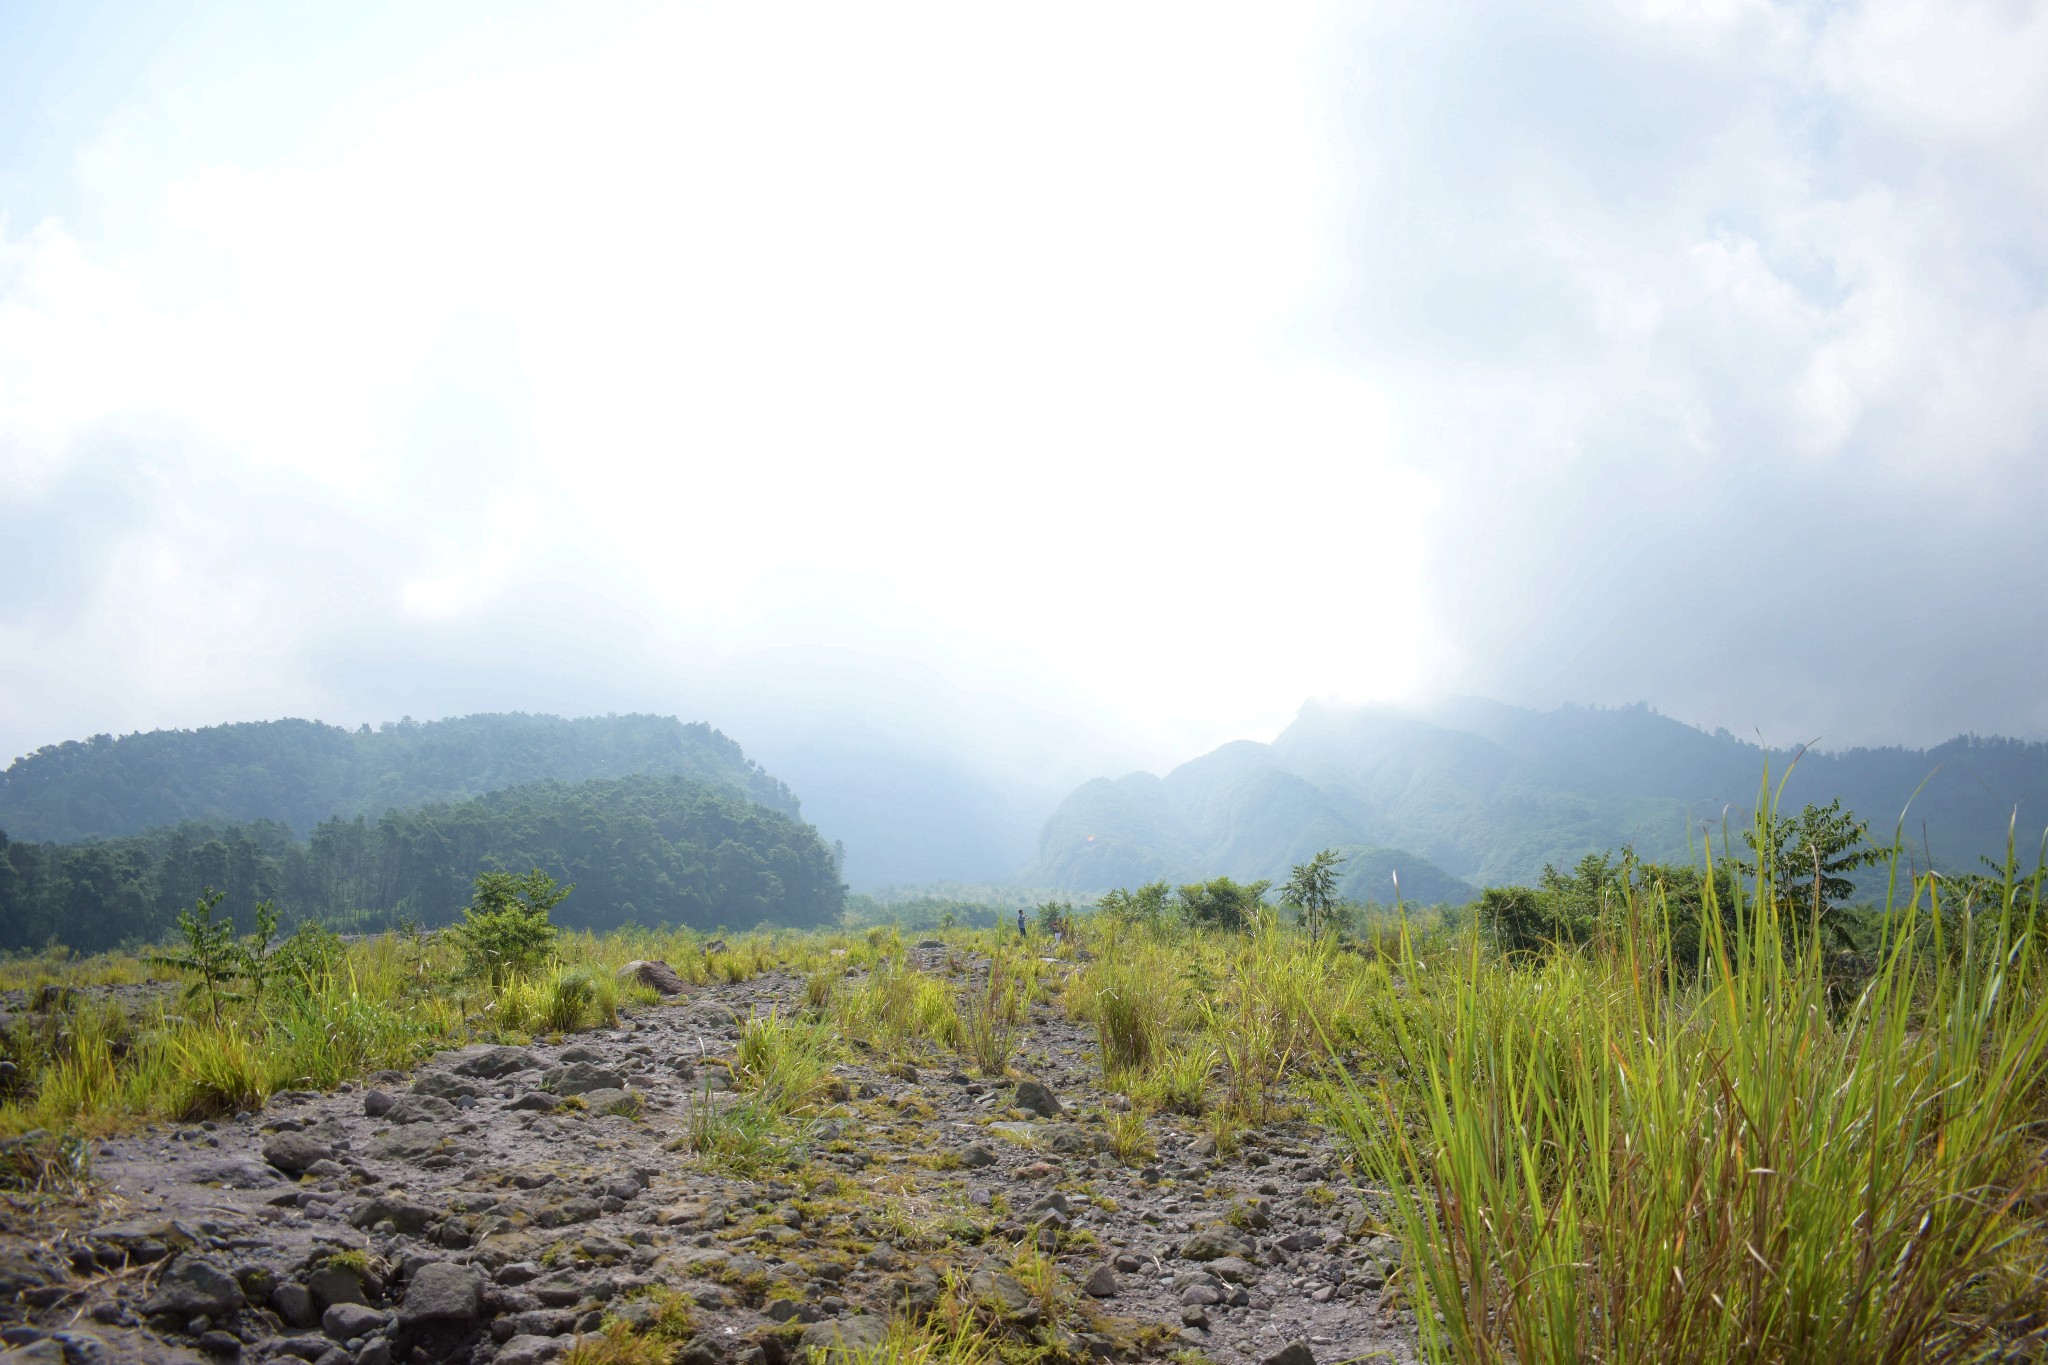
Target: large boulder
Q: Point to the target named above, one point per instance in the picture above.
(656, 975)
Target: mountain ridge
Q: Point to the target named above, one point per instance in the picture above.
(1482, 793)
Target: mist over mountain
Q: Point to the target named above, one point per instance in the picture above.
(1467, 792)
(919, 778)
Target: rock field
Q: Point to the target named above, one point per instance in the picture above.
(500, 1201)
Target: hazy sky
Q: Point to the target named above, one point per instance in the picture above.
(1167, 365)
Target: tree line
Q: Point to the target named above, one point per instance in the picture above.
(646, 849)
(301, 772)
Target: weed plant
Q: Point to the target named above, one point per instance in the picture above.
(990, 1016)
(1591, 1158)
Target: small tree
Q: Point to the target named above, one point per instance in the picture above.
(1055, 917)
(1806, 859)
(505, 930)
(209, 952)
(1312, 890)
(261, 953)
(1221, 903)
(1143, 908)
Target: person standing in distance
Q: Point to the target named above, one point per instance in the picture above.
(1022, 930)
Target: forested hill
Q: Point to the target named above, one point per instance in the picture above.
(1488, 794)
(646, 849)
(300, 772)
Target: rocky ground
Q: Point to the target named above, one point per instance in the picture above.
(501, 1201)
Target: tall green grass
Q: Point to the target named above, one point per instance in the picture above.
(1594, 1159)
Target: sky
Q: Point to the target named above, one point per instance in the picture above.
(1161, 366)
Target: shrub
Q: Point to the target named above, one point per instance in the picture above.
(505, 930)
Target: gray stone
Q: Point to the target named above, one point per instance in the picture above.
(539, 1101)
(612, 1101)
(377, 1104)
(1069, 1139)
(294, 1303)
(531, 1350)
(411, 1143)
(1034, 1096)
(1202, 1295)
(580, 1078)
(420, 1109)
(300, 1348)
(410, 1219)
(192, 1286)
(442, 1291)
(83, 1347)
(1213, 1244)
(294, 1153)
(976, 1155)
(1005, 1294)
(141, 1240)
(1101, 1283)
(345, 1320)
(444, 1086)
(496, 1063)
(215, 1342)
(657, 976)
(332, 1284)
(846, 1336)
(44, 1352)
(1235, 1269)
(1293, 1353)
(235, 1173)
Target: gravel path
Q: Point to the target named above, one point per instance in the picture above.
(465, 1213)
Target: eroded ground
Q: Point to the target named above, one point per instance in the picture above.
(467, 1212)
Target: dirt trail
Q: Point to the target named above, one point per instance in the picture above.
(465, 1213)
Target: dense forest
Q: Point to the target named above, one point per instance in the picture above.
(647, 849)
(301, 772)
(1472, 794)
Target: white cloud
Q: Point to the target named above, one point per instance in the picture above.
(1184, 362)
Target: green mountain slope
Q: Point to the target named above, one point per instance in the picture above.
(301, 772)
(648, 849)
(1479, 794)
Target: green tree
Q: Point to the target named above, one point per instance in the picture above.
(261, 952)
(1146, 907)
(1221, 903)
(1312, 890)
(209, 952)
(505, 930)
(1054, 917)
(1805, 861)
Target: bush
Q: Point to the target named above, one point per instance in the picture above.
(505, 930)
